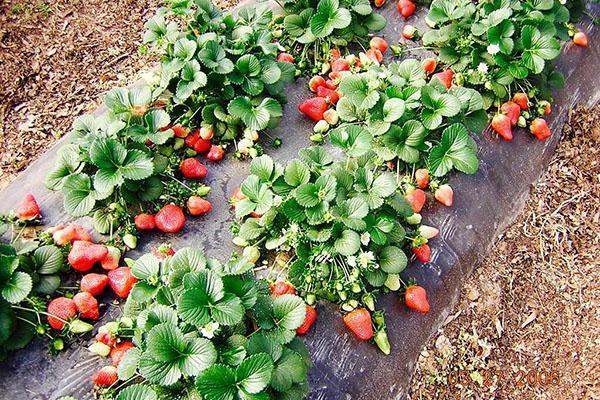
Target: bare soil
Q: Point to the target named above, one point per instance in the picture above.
(531, 306)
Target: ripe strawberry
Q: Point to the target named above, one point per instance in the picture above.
(191, 139)
(429, 65)
(121, 281)
(329, 84)
(334, 54)
(423, 252)
(445, 77)
(84, 255)
(60, 309)
(192, 168)
(107, 338)
(540, 129)
(444, 195)
(374, 55)
(315, 82)
(106, 376)
(285, 57)
(311, 316)
(170, 218)
(216, 153)
(314, 108)
(281, 287)
(359, 323)
(379, 3)
(180, 131)
(87, 305)
(502, 125)
(93, 284)
(111, 261)
(328, 94)
(144, 222)
(409, 31)
(422, 178)
(63, 234)
(379, 44)
(547, 107)
(406, 8)
(118, 352)
(196, 205)
(580, 39)
(202, 146)
(207, 132)
(415, 297)
(341, 64)
(28, 209)
(522, 100)
(512, 111)
(416, 198)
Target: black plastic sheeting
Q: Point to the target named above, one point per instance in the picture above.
(345, 368)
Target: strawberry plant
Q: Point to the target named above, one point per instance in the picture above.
(338, 229)
(312, 28)
(125, 161)
(219, 71)
(195, 327)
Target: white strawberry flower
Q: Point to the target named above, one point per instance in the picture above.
(209, 330)
(482, 68)
(365, 238)
(277, 200)
(365, 258)
(351, 261)
(493, 49)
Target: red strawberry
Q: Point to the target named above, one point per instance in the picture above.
(422, 178)
(170, 218)
(445, 77)
(334, 54)
(512, 111)
(180, 131)
(522, 100)
(216, 153)
(64, 234)
(94, 284)
(28, 209)
(429, 65)
(121, 281)
(423, 253)
(409, 31)
(106, 376)
(144, 222)
(415, 297)
(406, 8)
(330, 95)
(314, 108)
(207, 132)
(444, 195)
(281, 287)
(202, 146)
(379, 3)
(111, 261)
(60, 309)
(190, 140)
(311, 316)
(196, 205)
(87, 305)
(540, 129)
(118, 352)
(502, 125)
(341, 64)
(359, 323)
(329, 84)
(193, 169)
(379, 44)
(285, 57)
(580, 39)
(236, 196)
(107, 338)
(416, 198)
(315, 82)
(374, 55)
(547, 107)
(84, 255)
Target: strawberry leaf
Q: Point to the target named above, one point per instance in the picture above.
(456, 150)
(136, 391)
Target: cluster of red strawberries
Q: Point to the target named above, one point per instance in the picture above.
(510, 116)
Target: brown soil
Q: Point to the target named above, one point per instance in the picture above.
(533, 303)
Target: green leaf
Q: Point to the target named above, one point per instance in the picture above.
(48, 259)
(289, 311)
(457, 150)
(348, 243)
(537, 48)
(307, 195)
(184, 49)
(255, 117)
(290, 369)
(392, 260)
(353, 139)
(146, 266)
(137, 392)
(129, 364)
(262, 167)
(254, 373)
(137, 165)
(228, 311)
(329, 16)
(296, 173)
(393, 109)
(194, 307)
(214, 57)
(406, 141)
(17, 288)
(217, 382)
(67, 162)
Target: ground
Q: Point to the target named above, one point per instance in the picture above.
(530, 306)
